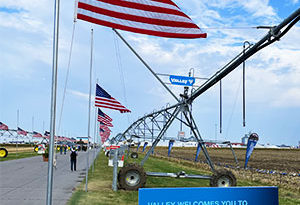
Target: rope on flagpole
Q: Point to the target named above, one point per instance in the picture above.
(67, 77)
(120, 67)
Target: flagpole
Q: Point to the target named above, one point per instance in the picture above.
(89, 113)
(53, 101)
(17, 133)
(95, 125)
(94, 140)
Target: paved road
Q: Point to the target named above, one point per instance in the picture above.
(24, 181)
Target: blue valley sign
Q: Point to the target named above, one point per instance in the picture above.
(209, 196)
(182, 80)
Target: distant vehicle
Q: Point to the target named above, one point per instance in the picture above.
(3, 152)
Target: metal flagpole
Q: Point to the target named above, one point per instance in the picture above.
(95, 125)
(17, 133)
(53, 101)
(89, 115)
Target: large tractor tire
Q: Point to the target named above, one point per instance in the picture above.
(3, 152)
(223, 178)
(134, 155)
(132, 177)
(36, 149)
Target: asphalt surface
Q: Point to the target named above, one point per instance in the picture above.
(24, 181)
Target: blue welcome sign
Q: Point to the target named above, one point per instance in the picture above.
(209, 196)
(182, 80)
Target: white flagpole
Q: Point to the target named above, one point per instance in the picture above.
(53, 101)
(89, 115)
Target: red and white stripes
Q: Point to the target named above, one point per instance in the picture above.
(153, 17)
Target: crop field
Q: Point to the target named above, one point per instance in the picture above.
(282, 160)
(284, 163)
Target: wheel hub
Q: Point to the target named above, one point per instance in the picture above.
(224, 182)
(132, 178)
(2, 153)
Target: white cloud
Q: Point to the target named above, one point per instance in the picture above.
(81, 95)
(289, 98)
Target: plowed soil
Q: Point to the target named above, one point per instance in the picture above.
(283, 160)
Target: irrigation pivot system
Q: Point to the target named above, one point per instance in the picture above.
(133, 176)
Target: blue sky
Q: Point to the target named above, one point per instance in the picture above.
(273, 75)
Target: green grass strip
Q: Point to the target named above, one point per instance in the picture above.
(19, 155)
(100, 184)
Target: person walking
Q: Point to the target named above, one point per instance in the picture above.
(73, 157)
(65, 149)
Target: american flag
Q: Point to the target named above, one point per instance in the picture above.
(105, 128)
(161, 18)
(102, 116)
(36, 134)
(47, 134)
(106, 123)
(21, 132)
(104, 136)
(104, 131)
(3, 126)
(103, 99)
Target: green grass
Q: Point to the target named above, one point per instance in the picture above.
(19, 155)
(100, 184)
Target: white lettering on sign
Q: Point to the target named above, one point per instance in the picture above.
(206, 203)
(239, 202)
(162, 203)
(175, 80)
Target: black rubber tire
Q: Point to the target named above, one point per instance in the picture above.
(132, 177)
(4, 152)
(36, 149)
(107, 153)
(134, 155)
(223, 178)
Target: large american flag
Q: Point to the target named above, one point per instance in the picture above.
(153, 17)
(3, 126)
(103, 99)
(21, 132)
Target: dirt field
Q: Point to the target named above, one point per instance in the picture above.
(283, 160)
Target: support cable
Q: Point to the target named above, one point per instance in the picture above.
(67, 78)
(147, 66)
(233, 109)
(120, 67)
